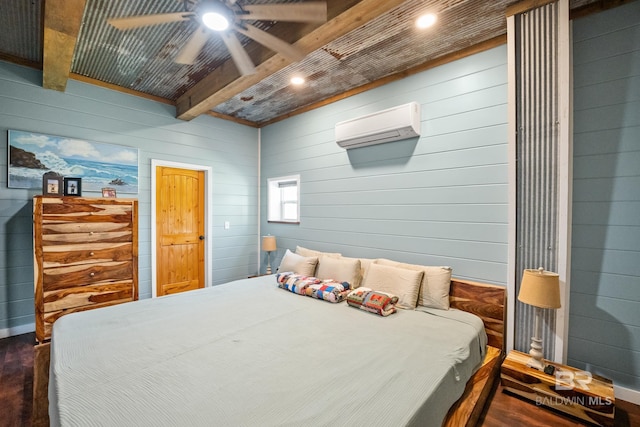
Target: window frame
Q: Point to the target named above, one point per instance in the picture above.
(276, 200)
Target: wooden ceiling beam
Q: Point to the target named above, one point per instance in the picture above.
(225, 82)
(62, 20)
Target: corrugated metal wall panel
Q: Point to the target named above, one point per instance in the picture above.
(537, 155)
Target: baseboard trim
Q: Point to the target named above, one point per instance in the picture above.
(627, 394)
(17, 330)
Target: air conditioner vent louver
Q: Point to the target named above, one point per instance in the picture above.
(393, 124)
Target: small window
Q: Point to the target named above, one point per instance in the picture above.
(284, 199)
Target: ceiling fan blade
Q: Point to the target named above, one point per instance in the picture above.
(191, 49)
(272, 42)
(314, 11)
(238, 54)
(129, 22)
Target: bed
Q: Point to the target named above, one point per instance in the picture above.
(250, 353)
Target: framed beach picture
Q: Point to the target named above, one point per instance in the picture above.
(72, 186)
(109, 192)
(52, 184)
(96, 164)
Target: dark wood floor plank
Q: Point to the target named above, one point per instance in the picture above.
(503, 409)
(16, 378)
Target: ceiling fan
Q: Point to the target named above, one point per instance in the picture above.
(227, 16)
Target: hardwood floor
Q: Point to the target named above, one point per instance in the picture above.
(16, 388)
(16, 380)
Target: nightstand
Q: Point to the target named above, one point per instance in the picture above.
(569, 390)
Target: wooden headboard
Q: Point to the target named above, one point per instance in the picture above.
(488, 302)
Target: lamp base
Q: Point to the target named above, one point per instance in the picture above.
(536, 363)
(268, 262)
(535, 351)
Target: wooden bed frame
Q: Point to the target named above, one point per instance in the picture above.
(489, 302)
(486, 301)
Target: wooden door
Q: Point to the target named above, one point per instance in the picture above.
(180, 230)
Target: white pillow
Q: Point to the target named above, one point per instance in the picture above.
(402, 282)
(310, 252)
(298, 264)
(436, 282)
(364, 265)
(340, 270)
(436, 285)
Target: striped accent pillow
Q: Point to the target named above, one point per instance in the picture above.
(296, 283)
(377, 302)
(329, 290)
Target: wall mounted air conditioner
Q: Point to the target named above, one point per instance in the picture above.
(395, 123)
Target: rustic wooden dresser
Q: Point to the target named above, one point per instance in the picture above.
(85, 256)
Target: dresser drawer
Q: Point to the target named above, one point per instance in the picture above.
(90, 237)
(57, 227)
(82, 211)
(86, 274)
(66, 255)
(82, 296)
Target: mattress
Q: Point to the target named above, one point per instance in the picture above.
(248, 353)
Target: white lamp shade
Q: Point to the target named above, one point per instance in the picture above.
(269, 243)
(540, 288)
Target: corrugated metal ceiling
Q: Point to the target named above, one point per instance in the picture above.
(143, 59)
(22, 24)
(384, 46)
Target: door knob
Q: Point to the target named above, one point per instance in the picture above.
(201, 237)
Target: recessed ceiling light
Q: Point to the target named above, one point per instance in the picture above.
(425, 21)
(215, 21)
(297, 80)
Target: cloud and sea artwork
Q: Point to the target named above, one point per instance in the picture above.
(99, 165)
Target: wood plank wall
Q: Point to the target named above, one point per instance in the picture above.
(437, 200)
(97, 114)
(604, 321)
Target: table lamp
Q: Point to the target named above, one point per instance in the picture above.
(540, 289)
(269, 245)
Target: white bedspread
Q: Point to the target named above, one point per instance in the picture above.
(250, 354)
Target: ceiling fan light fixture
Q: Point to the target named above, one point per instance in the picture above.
(426, 20)
(215, 21)
(227, 18)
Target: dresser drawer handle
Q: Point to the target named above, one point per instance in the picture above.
(92, 274)
(91, 254)
(91, 233)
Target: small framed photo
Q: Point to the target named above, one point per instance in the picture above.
(109, 192)
(52, 184)
(73, 186)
